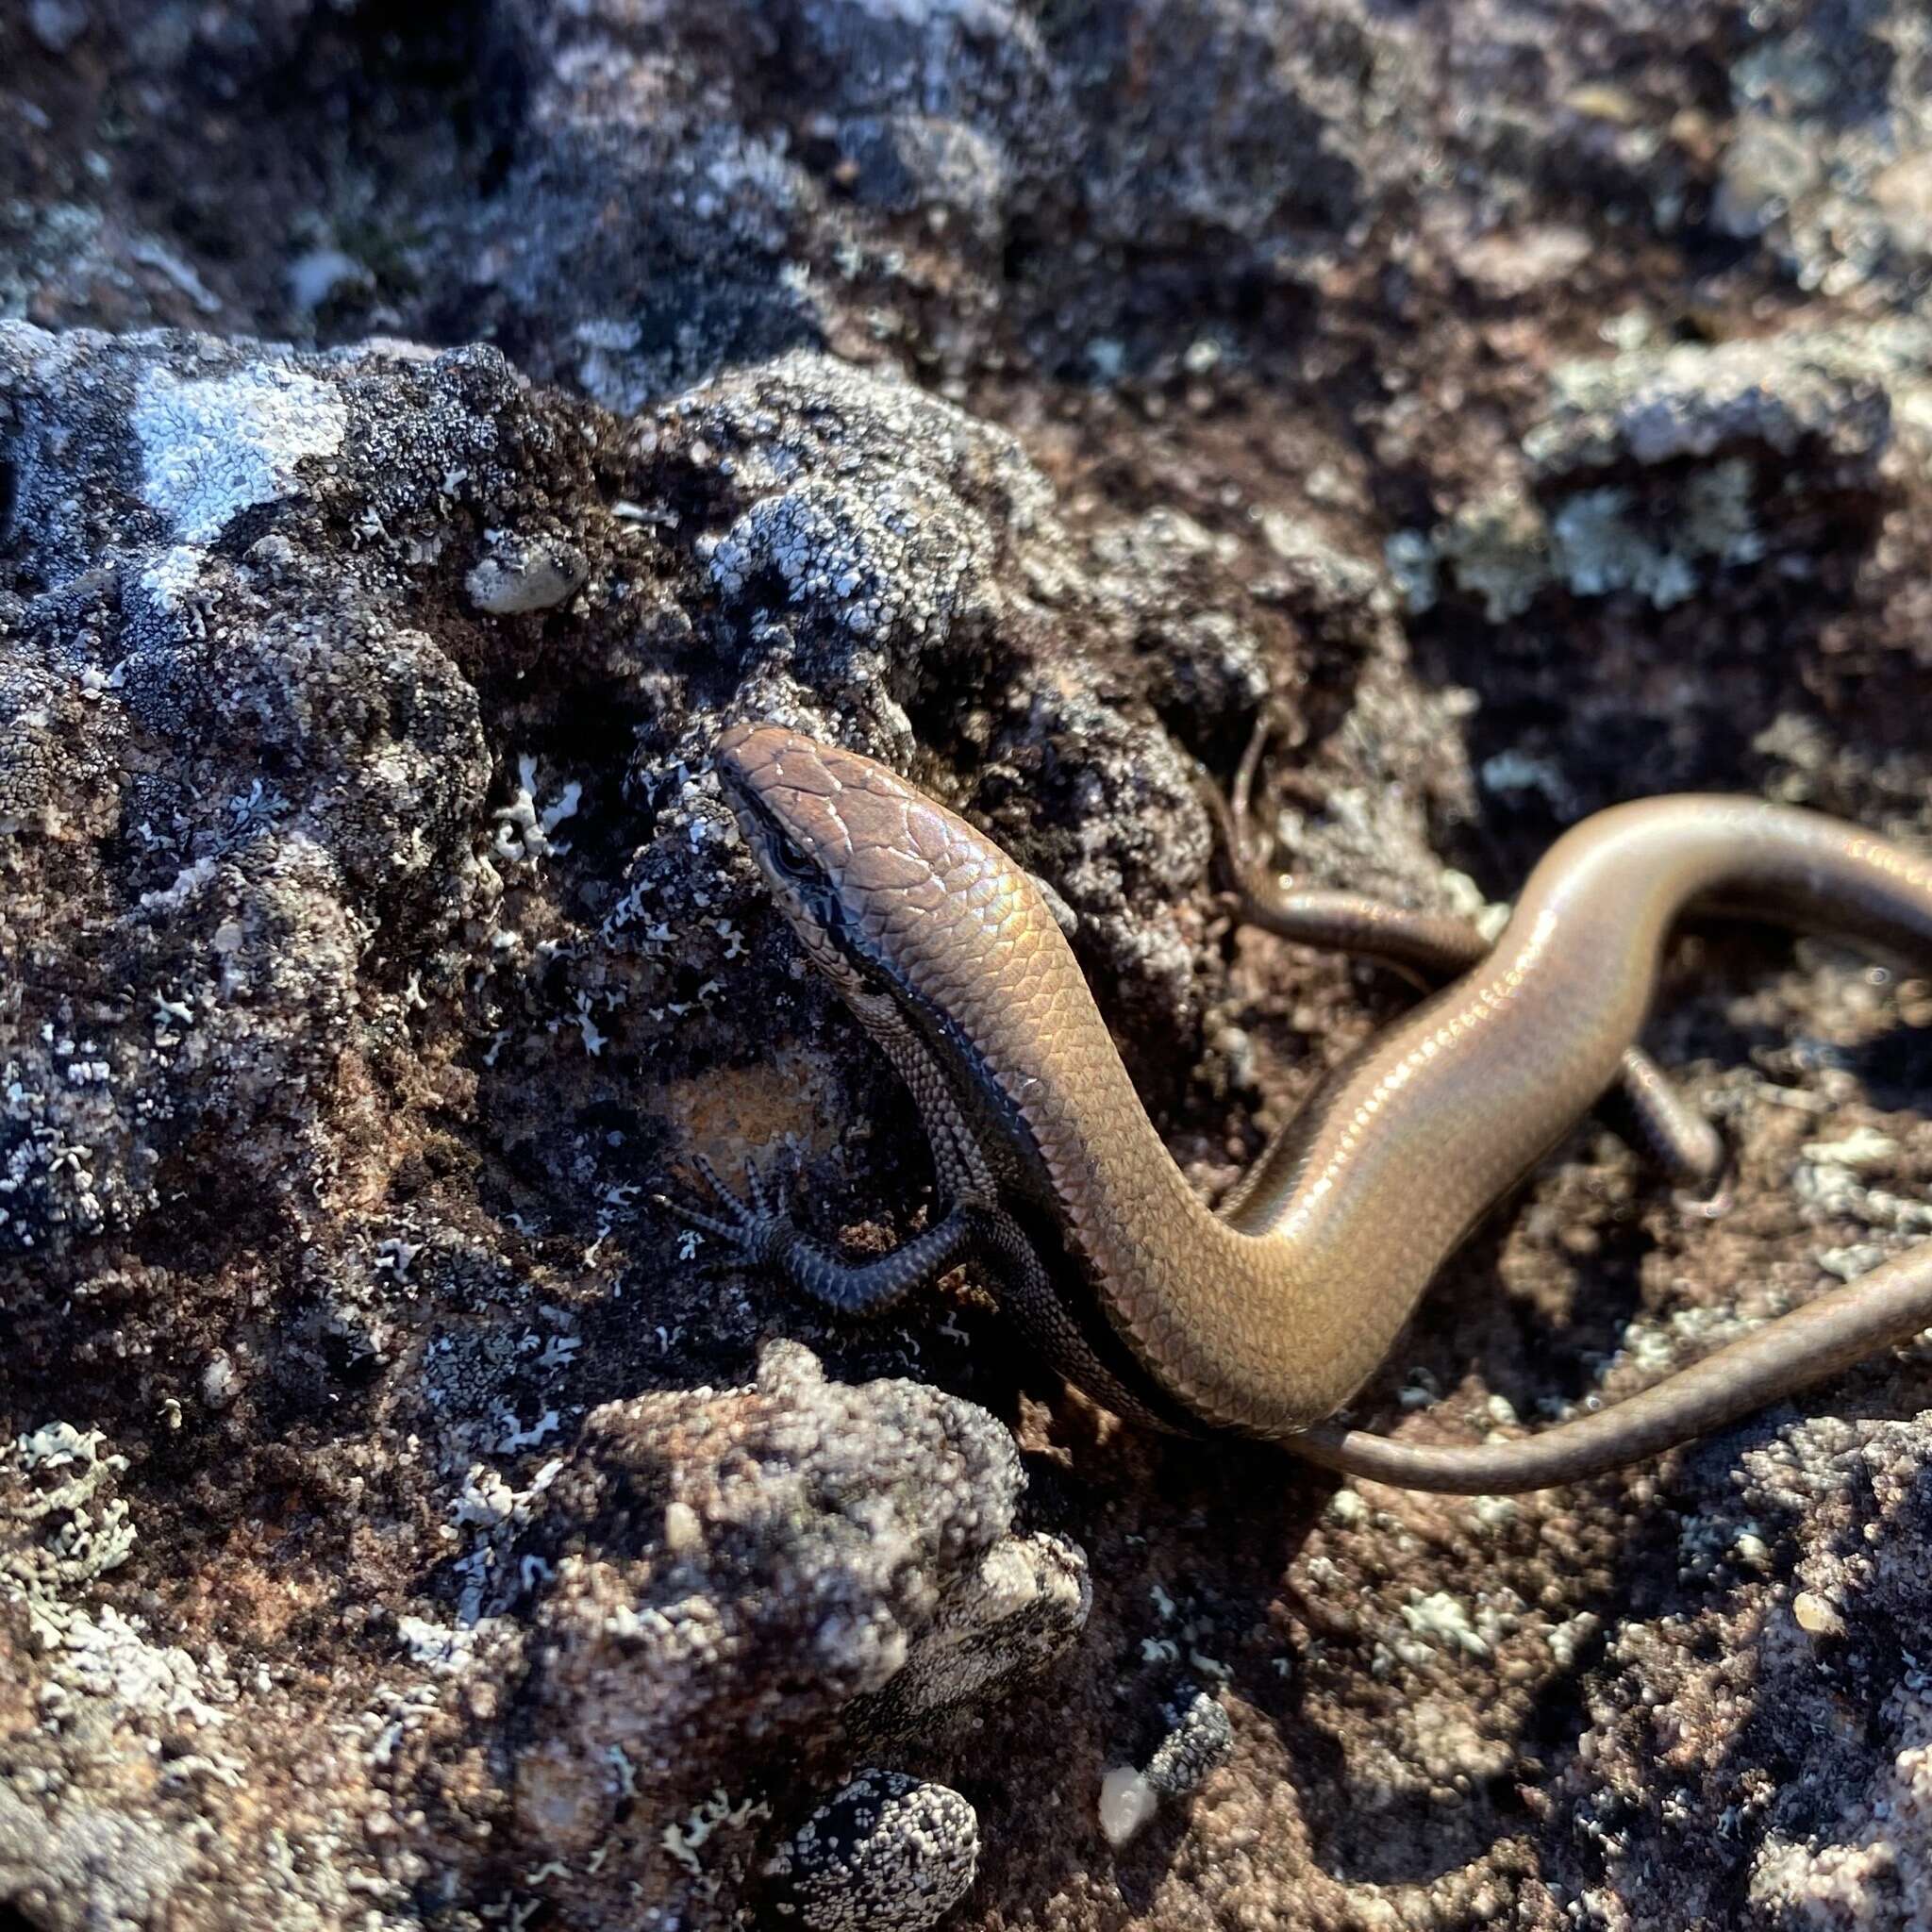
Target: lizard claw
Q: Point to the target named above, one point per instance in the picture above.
(754, 1226)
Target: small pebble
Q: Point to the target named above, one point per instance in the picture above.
(683, 1532)
(218, 1380)
(1816, 1616)
(1127, 1800)
(516, 577)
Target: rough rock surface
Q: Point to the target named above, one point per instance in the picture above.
(419, 430)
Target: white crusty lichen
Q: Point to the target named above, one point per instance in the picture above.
(1830, 1181)
(523, 827)
(58, 1533)
(1443, 1623)
(67, 1468)
(213, 447)
(441, 1649)
(684, 1839)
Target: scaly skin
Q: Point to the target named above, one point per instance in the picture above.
(1429, 948)
(1268, 1322)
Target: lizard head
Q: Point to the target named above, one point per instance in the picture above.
(880, 882)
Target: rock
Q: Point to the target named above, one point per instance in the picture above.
(518, 575)
(1721, 425)
(1828, 161)
(1127, 1803)
(1015, 1616)
(308, 757)
(886, 1852)
(841, 1536)
(1201, 1739)
(880, 517)
(1825, 394)
(1528, 406)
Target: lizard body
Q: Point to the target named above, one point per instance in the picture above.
(1267, 1318)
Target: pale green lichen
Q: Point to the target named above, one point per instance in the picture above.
(1505, 550)
(58, 1535)
(1498, 549)
(1598, 547)
(89, 1537)
(1411, 560)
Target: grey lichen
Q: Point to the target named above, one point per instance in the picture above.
(1498, 549)
(1508, 550)
(1655, 469)
(888, 1853)
(1598, 546)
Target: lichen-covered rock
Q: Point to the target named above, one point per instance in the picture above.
(1016, 1613)
(1523, 400)
(1201, 1739)
(1825, 395)
(1828, 163)
(879, 521)
(1657, 468)
(132, 1768)
(887, 1854)
(872, 555)
(291, 760)
(283, 633)
(798, 1533)
(1837, 1841)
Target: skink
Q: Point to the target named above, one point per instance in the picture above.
(1267, 1318)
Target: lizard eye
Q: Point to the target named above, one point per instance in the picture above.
(789, 858)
